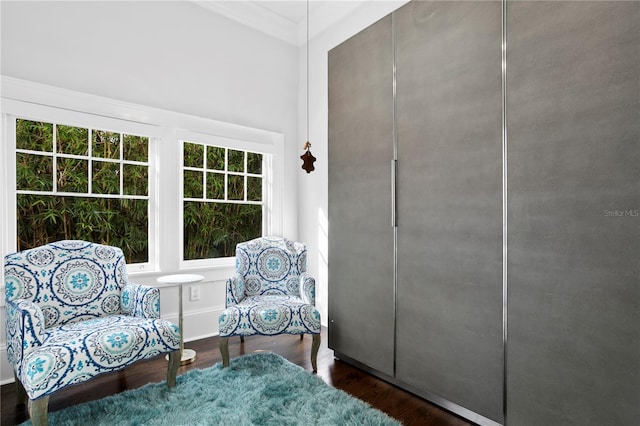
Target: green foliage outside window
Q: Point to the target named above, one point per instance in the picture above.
(118, 222)
(212, 230)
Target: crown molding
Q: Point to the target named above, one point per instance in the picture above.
(323, 14)
(256, 17)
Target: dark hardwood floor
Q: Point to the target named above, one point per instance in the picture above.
(403, 406)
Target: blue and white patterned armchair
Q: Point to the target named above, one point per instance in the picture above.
(271, 293)
(71, 314)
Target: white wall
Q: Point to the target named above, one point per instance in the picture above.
(312, 188)
(174, 56)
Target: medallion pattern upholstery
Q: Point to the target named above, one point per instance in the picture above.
(71, 314)
(271, 292)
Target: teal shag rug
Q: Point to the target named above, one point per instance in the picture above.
(257, 389)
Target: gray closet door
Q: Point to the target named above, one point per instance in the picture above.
(573, 110)
(361, 290)
(449, 316)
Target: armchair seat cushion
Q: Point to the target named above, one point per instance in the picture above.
(76, 352)
(269, 315)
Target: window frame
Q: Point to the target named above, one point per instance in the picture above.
(41, 113)
(267, 191)
(40, 102)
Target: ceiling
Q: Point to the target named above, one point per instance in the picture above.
(284, 20)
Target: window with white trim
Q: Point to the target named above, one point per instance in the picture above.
(132, 162)
(223, 199)
(82, 183)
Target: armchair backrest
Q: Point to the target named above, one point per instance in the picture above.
(271, 265)
(69, 280)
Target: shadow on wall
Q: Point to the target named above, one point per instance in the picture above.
(323, 270)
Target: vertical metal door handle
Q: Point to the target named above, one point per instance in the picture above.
(394, 213)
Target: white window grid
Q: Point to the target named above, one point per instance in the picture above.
(90, 159)
(226, 172)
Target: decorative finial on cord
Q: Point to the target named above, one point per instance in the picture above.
(307, 158)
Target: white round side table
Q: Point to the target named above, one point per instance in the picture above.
(186, 355)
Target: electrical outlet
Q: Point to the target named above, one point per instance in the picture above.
(195, 293)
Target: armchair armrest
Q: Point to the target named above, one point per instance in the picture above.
(235, 290)
(25, 329)
(141, 301)
(308, 288)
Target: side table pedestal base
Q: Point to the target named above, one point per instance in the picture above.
(188, 356)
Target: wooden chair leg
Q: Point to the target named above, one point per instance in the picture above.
(315, 345)
(38, 411)
(241, 339)
(172, 368)
(224, 351)
(301, 336)
(21, 393)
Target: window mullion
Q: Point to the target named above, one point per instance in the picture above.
(121, 174)
(204, 183)
(226, 173)
(246, 170)
(54, 172)
(90, 162)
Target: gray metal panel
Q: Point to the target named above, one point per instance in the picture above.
(449, 112)
(573, 115)
(361, 252)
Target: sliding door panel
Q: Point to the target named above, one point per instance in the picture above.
(361, 288)
(449, 291)
(573, 105)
